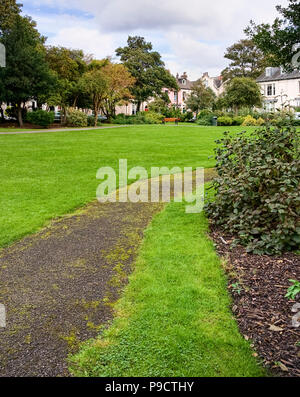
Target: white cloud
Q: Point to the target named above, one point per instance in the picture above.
(192, 35)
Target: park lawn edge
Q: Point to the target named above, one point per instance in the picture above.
(174, 317)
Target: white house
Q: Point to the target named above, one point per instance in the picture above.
(279, 89)
(214, 83)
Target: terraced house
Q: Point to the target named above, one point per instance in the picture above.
(280, 89)
(179, 98)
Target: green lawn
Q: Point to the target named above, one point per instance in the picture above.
(12, 129)
(174, 317)
(47, 175)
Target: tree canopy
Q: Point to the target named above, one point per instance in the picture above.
(27, 74)
(201, 97)
(147, 67)
(8, 10)
(243, 92)
(247, 60)
(279, 40)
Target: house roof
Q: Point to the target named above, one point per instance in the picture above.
(278, 75)
(188, 85)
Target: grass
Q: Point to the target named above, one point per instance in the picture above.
(12, 129)
(174, 318)
(43, 176)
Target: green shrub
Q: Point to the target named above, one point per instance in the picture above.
(238, 120)
(141, 118)
(151, 117)
(41, 118)
(260, 121)
(91, 121)
(249, 121)
(257, 189)
(225, 120)
(75, 118)
(296, 122)
(205, 120)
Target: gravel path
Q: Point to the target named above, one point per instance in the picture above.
(58, 285)
(60, 130)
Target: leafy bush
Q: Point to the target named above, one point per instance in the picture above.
(141, 118)
(257, 189)
(249, 120)
(41, 118)
(238, 120)
(205, 120)
(296, 122)
(151, 117)
(91, 121)
(260, 121)
(75, 118)
(225, 120)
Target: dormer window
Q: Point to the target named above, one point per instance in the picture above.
(269, 72)
(183, 81)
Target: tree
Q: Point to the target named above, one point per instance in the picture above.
(279, 40)
(8, 10)
(94, 84)
(27, 74)
(147, 67)
(69, 66)
(243, 92)
(201, 97)
(247, 61)
(118, 84)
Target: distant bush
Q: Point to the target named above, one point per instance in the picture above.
(141, 118)
(238, 120)
(257, 189)
(151, 117)
(249, 120)
(260, 121)
(91, 121)
(225, 121)
(75, 118)
(40, 118)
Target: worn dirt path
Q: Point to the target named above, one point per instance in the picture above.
(58, 286)
(60, 130)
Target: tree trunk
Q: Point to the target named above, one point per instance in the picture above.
(138, 107)
(2, 114)
(96, 116)
(20, 118)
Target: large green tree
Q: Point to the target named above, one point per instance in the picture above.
(8, 10)
(280, 40)
(148, 69)
(26, 74)
(243, 92)
(246, 60)
(69, 66)
(201, 97)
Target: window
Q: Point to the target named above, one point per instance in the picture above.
(269, 72)
(175, 96)
(184, 96)
(271, 90)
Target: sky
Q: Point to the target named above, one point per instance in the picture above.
(191, 35)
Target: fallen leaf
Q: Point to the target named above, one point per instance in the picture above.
(283, 367)
(275, 328)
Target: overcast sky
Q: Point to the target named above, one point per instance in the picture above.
(191, 35)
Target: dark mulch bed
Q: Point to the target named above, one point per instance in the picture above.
(263, 313)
